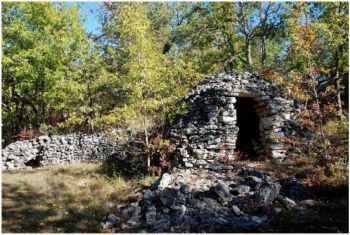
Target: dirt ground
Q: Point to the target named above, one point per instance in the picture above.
(75, 198)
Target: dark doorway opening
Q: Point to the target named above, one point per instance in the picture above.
(248, 143)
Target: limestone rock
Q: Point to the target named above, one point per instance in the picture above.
(241, 189)
(267, 193)
(222, 190)
(165, 181)
(308, 202)
(237, 211)
(253, 182)
(129, 211)
(110, 221)
(185, 189)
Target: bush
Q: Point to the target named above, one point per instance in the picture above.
(128, 160)
(159, 150)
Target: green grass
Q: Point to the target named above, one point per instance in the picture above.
(148, 181)
(61, 198)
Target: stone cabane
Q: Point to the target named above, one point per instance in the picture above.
(207, 133)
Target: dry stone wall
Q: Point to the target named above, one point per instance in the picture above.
(207, 134)
(57, 150)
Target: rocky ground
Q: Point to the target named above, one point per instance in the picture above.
(240, 200)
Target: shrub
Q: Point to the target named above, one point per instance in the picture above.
(128, 160)
(159, 149)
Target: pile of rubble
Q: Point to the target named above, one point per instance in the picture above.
(198, 200)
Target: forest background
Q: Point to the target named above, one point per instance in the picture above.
(58, 78)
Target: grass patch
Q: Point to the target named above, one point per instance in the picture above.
(319, 180)
(147, 181)
(300, 167)
(61, 198)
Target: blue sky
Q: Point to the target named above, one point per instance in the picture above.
(91, 23)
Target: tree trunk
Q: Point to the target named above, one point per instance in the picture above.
(321, 120)
(263, 51)
(248, 53)
(339, 103)
(146, 141)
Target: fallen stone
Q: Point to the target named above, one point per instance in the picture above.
(129, 211)
(151, 215)
(183, 209)
(133, 221)
(172, 198)
(287, 202)
(147, 199)
(222, 191)
(259, 220)
(277, 210)
(241, 190)
(109, 205)
(267, 193)
(165, 181)
(110, 221)
(201, 205)
(253, 182)
(210, 203)
(308, 202)
(185, 189)
(237, 211)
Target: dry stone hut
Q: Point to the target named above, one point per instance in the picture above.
(229, 114)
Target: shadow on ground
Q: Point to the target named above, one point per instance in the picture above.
(60, 200)
(24, 210)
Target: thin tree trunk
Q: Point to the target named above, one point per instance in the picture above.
(263, 51)
(339, 103)
(146, 141)
(248, 53)
(321, 119)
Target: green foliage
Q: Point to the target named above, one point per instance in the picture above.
(142, 66)
(149, 55)
(179, 110)
(42, 44)
(85, 97)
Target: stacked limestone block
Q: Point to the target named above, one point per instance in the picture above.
(57, 150)
(207, 134)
